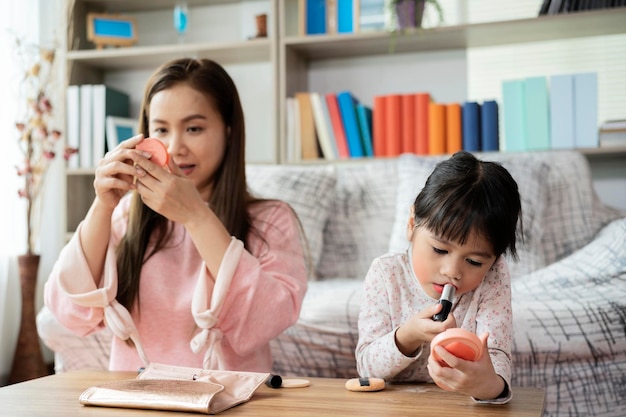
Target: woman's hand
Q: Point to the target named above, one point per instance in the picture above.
(477, 379)
(167, 190)
(115, 173)
(421, 328)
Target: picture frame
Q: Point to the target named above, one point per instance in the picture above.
(118, 129)
(105, 29)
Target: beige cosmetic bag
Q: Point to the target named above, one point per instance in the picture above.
(177, 388)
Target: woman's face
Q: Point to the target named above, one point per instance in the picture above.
(437, 261)
(187, 122)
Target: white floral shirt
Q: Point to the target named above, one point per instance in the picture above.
(392, 295)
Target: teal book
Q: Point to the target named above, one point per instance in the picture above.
(106, 102)
(347, 108)
(514, 109)
(315, 17)
(537, 113)
(562, 111)
(364, 115)
(586, 110)
(345, 16)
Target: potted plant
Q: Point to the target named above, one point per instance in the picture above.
(408, 14)
(38, 140)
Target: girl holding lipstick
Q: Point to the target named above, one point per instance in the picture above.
(461, 224)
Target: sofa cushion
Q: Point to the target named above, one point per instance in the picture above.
(528, 171)
(309, 190)
(361, 216)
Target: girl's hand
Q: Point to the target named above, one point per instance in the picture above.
(115, 173)
(477, 379)
(421, 328)
(167, 190)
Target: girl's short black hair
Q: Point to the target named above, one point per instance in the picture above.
(464, 194)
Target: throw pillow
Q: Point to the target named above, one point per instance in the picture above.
(309, 190)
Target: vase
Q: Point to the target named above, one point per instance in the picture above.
(409, 13)
(28, 360)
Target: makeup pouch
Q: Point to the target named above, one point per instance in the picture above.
(177, 388)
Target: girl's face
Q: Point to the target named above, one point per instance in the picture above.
(437, 262)
(187, 122)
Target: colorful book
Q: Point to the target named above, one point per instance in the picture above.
(436, 129)
(454, 130)
(586, 110)
(409, 139)
(346, 16)
(514, 108)
(489, 126)
(322, 128)
(72, 112)
(337, 123)
(393, 125)
(364, 116)
(471, 126)
(331, 17)
(308, 139)
(379, 126)
(85, 150)
(315, 17)
(562, 111)
(347, 107)
(422, 101)
(537, 113)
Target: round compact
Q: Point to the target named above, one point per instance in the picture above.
(157, 149)
(460, 342)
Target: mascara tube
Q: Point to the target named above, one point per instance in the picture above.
(446, 301)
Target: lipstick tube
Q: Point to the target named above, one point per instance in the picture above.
(446, 301)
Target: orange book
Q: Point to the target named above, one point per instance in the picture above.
(436, 129)
(453, 128)
(422, 101)
(378, 126)
(337, 125)
(409, 138)
(308, 137)
(393, 124)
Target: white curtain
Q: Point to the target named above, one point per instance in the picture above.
(20, 18)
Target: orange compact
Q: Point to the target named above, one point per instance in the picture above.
(460, 342)
(157, 149)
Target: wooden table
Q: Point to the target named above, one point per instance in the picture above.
(57, 395)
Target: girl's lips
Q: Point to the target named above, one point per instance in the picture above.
(439, 287)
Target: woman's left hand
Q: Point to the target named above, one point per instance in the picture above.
(169, 191)
(474, 378)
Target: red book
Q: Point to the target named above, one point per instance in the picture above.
(378, 126)
(436, 129)
(393, 124)
(338, 129)
(422, 101)
(409, 138)
(453, 128)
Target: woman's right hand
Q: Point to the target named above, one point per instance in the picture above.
(115, 173)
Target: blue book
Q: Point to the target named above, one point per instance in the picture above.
(347, 108)
(364, 116)
(586, 110)
(470, 123)
(315, 17)
(537, 113)
(514, 115)
(490, 132)
(345, 16)
(562, 111)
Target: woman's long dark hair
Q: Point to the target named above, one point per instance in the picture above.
(464, 194)
(148, 231)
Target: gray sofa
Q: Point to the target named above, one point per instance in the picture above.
(569, 286)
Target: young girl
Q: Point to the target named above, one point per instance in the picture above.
(461, 224)
(208, 273)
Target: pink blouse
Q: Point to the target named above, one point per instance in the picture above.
(184, 317)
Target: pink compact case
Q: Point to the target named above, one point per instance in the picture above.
(460, 342)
